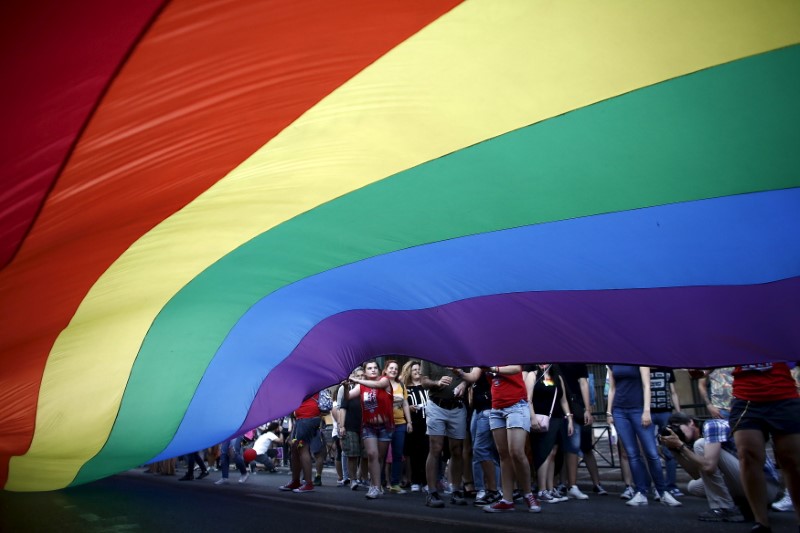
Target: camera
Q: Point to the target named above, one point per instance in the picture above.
(675, 429)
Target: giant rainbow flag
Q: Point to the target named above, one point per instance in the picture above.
(211, 209)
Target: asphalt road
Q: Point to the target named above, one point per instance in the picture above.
(135, 501)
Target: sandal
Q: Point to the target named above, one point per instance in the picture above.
(470, 493)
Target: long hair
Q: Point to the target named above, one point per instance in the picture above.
(405, 373)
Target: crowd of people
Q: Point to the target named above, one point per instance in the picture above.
(511, 437)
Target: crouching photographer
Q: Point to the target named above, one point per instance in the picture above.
(707, 452)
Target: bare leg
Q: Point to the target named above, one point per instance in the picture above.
(383, 447)
(489, 480)
(551, 468)
(373, 461)
(319, 462)
(506, 465)
(296, 462)
(352, 467)
(362, 472)
(591, 465)
(624, 467)
(432, 463)
(522, 469)
(466, 459)
(787, 452)
(456, 463)
(572, 469)
(751, 446)
(544, 475)
(337, 462)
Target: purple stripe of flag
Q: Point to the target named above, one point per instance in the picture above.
(676, 327)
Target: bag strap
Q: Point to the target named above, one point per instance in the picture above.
(540, 374)
(540, 377)
(553, 405)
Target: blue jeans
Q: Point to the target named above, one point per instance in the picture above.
(398, 442)
(660, 421)
(483, 447)
(225, 460)
(628, 422)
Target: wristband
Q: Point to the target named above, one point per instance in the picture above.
(609, 414)
(569, 415)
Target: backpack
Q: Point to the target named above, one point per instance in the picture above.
(324, 401)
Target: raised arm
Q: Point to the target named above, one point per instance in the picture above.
(472, 376)
(380, 383)
(354, 392)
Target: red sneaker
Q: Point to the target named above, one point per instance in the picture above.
(308, 487)
(290, 486)
(501, 506)
(533, 503)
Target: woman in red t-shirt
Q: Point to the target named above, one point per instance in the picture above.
(510, 421)
(377, 420)
(766, 403)
(307, 421)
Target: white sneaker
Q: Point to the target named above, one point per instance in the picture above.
(373, 492)
(481, 494)
(243, 478)
(557, 497)
(669, 500)
(627, 494)
(221, 481)
(354, 484)
(415, 488)
(637, 500)
(575, 493)
(784, 504)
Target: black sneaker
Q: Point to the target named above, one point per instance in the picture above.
(488, 499)
(517, 495)
(433, 500)
(203, 474)
(187, 477)
(457, 498)
(761, 528)
(722, 515)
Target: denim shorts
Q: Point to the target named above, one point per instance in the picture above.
(376, 432)
(305, 428)
(580, 441)
(513, 416)
(573, 443)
